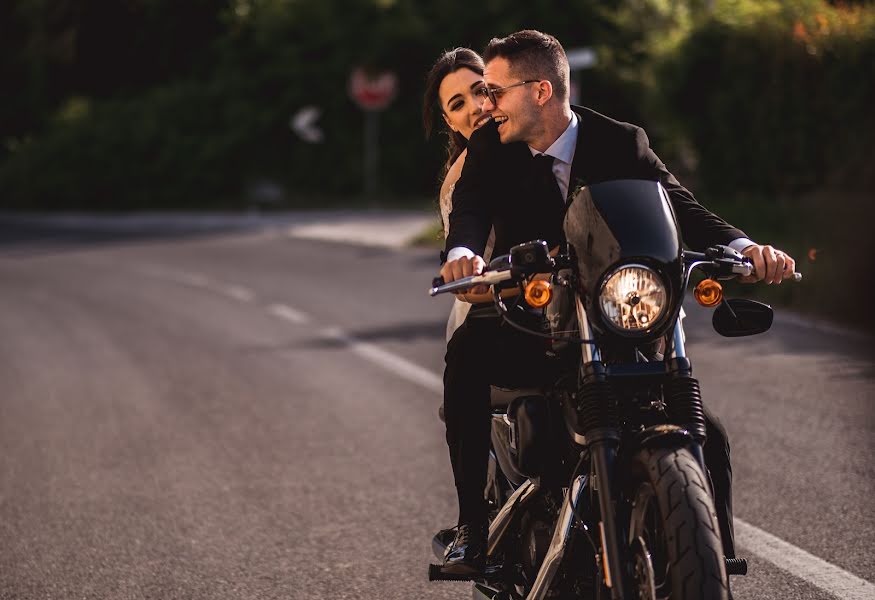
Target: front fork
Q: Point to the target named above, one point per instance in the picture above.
(683, 398)
(599, 420)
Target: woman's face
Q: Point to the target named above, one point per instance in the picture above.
(462, 108)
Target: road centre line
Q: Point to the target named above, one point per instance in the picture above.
(388, 360)
(229, 290)
(192, 279)
(236, 292)
(175, 275)
(805, 566)
(799, 563)
(288, 313)
(816, 571)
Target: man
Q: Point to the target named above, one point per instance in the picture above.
(504, 186)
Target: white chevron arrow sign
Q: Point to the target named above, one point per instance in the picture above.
(303, 123)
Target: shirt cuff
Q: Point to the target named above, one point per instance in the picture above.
(458, 252)
(740, 244)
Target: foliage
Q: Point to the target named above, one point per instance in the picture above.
(777, 96)
(776, 99)
(218, 120)
(153, 103)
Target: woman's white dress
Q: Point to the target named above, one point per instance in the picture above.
(460, 308)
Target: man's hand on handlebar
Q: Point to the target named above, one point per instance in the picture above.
(465, 267)
(770, 264)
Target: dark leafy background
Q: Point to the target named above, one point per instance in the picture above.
(762, 107)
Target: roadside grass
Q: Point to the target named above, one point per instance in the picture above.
(432, 237)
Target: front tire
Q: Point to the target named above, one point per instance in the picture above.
(674, 539)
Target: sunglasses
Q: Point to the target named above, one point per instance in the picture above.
(493, 94)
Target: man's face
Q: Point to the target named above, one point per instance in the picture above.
(515, 108)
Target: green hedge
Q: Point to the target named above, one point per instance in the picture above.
(777, 97)
(201, 140)
(777, 101)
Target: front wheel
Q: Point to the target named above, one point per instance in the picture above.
(674, 539)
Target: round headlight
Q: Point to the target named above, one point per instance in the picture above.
(633, 298)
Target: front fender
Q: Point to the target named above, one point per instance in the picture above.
(663, 436)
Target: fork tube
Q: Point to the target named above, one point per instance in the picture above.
(590, 351)
(680, 368)
(679, 349)
(604, 455)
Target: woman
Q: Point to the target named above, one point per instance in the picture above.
(451, 92)
(454, 89)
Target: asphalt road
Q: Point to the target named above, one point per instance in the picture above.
(232, 413)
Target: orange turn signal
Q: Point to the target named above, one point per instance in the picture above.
(709, 293)
(539, 293)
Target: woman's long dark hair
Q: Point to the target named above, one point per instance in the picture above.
(448, 62)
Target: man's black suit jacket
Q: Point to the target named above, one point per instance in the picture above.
(496, 187)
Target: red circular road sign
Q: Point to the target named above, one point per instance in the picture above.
(373, 92)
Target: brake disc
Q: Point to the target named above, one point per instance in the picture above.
(645, 580)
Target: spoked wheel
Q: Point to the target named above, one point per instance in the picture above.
(674, 540)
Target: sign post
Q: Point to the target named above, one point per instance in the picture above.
(373, 93)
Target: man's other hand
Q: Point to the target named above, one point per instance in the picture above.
(464, 267)
(770, 264)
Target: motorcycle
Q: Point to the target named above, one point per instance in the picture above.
(597, 482)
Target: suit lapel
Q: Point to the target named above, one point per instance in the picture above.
(582, 154)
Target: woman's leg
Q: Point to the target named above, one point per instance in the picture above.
(466, 412)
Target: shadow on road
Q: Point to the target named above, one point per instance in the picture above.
(28, 238)
(408, 331)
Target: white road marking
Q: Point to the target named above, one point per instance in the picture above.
(192, 279)
(806, 566)
(816, 571)
(387, 360)
(236, 292)
(288, 313)
(177, 276)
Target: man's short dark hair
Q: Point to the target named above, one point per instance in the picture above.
(533, 55)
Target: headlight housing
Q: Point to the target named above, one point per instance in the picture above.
(632, 298)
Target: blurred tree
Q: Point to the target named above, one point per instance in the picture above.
(190, 102)
(124, 47)
(36, 54)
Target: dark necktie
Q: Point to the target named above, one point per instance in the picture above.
(546, 185)
(548, 198)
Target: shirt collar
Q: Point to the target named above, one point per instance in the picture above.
(563, 148)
